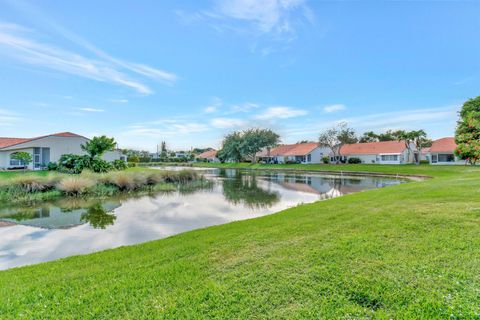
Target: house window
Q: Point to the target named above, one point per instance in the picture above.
(309, 158)
(15, 162)
(434, 158)
(389, 157)
(446, 157)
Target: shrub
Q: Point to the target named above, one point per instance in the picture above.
(99, 165)
(119, 165)
(31, 183)
(75, 185)
(354, 160)
(52, 166)
(325, 160)
(123, 180)
(424, 162)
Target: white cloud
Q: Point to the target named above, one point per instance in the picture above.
(280, 112)
(225, 123)
(166, 127)
(333, 108)
(8, 118)
(91, 110)
(19, 44)
(119, 100)
(210, 109)
(245, 107)
(266, 16)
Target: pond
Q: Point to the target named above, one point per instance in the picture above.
(69, 226)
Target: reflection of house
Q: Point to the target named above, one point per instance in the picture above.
(384, 152)
(208, 156)
(442, 152)
(310, 152)
(49, 217)
(6, 224)
(45, 149)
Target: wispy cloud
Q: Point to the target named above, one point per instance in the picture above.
(214, 105)
(268, 22)
(227, 123)
(8, 118)
(166, 127)
(333, 108)
(91, 110)
(119, 100)
(22, 44)
(280, 112)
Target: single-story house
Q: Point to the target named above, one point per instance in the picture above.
(208, 156)
(46, 149)
(442, 152)
(310, 152)
(384, 152)
(425, 154)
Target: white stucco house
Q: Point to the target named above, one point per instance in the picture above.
(384, 152)
(46, 149)
(442, 152)
(310, 152)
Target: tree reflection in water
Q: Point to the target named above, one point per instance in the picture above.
(243, 188)
(98, 217)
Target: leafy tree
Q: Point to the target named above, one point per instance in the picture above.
(334, 138)
(389, 135)
(467, 134)
(416, 137)
(98, 146)
(231, 147)
(255, 140)
(25, 158)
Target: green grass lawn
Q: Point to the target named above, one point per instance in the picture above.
(410, 251)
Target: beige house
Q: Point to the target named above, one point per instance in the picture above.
(45, 149)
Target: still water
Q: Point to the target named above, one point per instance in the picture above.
(67, 227)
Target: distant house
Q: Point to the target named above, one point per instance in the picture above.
(45, 149)
(208, 156)
(384, 152)
(425, 155)
(310, 152)
(442, 152)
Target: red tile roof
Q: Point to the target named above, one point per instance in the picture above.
(373, 148)
(443, 145)
(297, 149)
(9, 142)
(208, 154)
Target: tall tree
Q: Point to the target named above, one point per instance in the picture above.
(467, 134)
(98, 146)
(334, 138)
(231, 146)
(255, 140)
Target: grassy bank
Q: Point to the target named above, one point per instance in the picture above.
(29, 187)
(406, 252)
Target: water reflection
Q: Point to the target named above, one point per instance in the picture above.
(98, 217)
(52, 230)
(240, 188)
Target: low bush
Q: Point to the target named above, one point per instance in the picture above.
(119, 165)
(354, 160)
(325, 160)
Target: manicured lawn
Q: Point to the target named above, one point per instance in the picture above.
(12, 174)
(406, 252)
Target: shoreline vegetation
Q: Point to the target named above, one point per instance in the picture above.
(408, 251)
(31, 187)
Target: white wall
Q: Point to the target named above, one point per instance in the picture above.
(319, 153)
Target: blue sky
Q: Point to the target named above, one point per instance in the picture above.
(188, 72)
